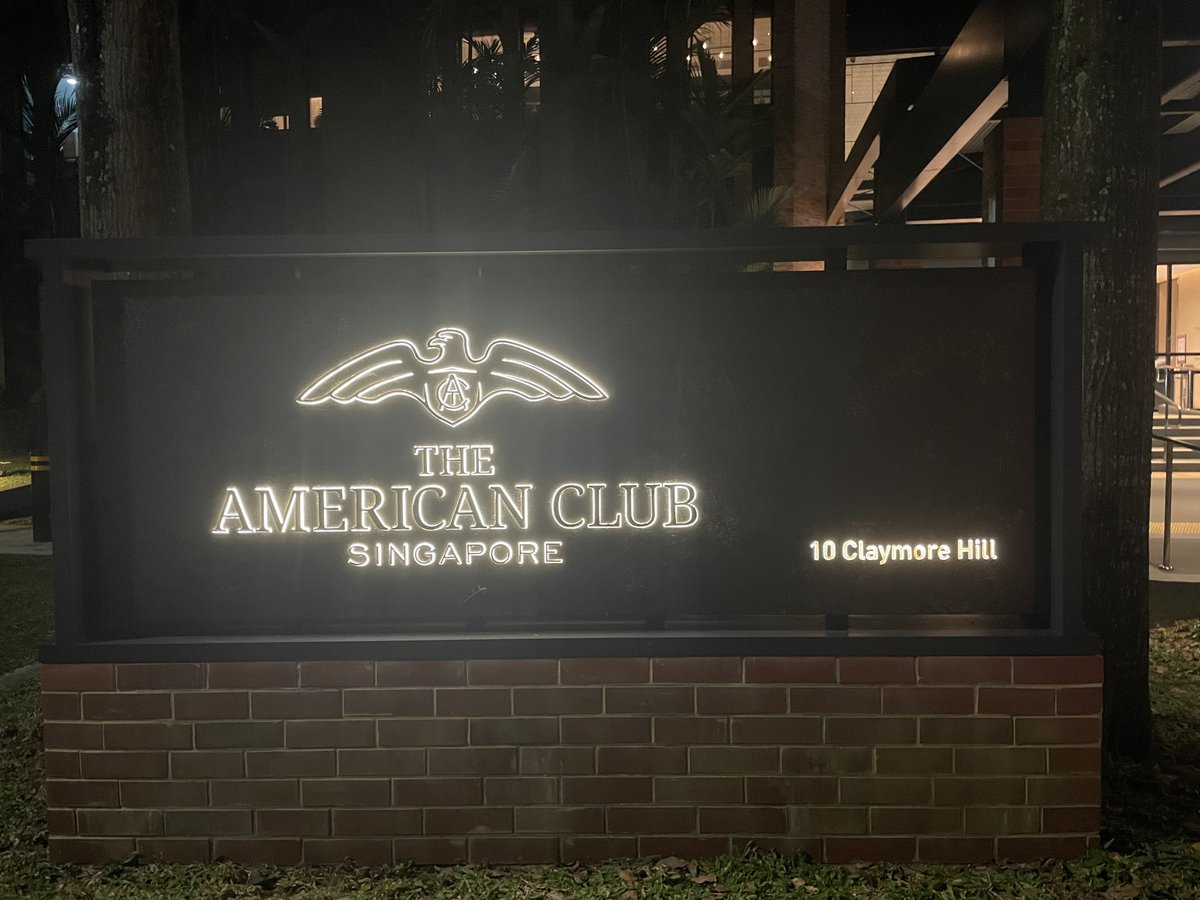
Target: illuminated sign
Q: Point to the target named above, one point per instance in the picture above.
(450, 382)
(756, 450)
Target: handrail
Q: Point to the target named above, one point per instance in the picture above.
(1169, 459)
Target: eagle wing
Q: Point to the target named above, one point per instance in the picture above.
(512, 367)
(396, 367)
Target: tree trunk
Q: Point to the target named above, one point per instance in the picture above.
(1101, 165)
(133, 178)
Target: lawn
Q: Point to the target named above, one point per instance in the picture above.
(1152, 822)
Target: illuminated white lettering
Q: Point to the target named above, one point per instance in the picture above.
(233, 511)
(423, 554)
(506, 506)
(289, 518)
(359, 555)
(331, 514)
(418, 505)
(683, 510)
(501, 553)
(368, 501)
(628, 492)
(401, 518)
(556, 506)
(466, 506)
(550, 553)
(450, 555)
(475, 550)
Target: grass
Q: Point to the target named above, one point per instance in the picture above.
(1147, 854)
(25, 615)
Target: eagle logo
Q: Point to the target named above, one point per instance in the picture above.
(447, 379)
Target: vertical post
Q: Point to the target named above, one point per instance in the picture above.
(512, 39)
(39, 478)
(1169, 453)
(743, 71)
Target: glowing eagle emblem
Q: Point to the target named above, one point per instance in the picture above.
(450, 382)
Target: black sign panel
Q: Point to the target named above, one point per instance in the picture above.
(547, 452)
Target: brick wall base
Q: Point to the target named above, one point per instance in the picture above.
(940, 759)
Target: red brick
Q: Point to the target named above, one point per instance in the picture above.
(696, 670)
(431, 851)
(1058, 731)
(472, 761)
(835, 700)
(337, 674)
(256, 794)
(377, 821)
(118, 822)
(72, 736)
(334, 733)
(913, 760)
(743, 700)
(159, 676)
(313, 704)
(437, 791)
(559, 819)
(978, 791)
(791, 670)
(698, 789)
(258, 851)
(207, 764)
(742, 820)
(1058, 669)
(422, 732)
(1003, 820)
(513, 730)
(78, 677)
(877, 670)
(61, 763)
(557, 761)
(944, 700)
(222, 735)
(1084, 701)
(606, 670)
(1016, 701)
(955, 850)
(641, 760)
(346, 792)
(158, 794)
(776, 729)
(870, 730)
(212, 705)
(201, 822)
(90, 850)
(468, 820)
(967, 730)
(364, 851)
(1074, 761)
(691, 730)
(1054, 791)
(661, 700)
(404, 761)
(557, 701)
(474, 702)
(964, 670)
(519, 791)
(512, 671)
(605, 729)
(886, 791)
(657, 819)
(1071, 819)
(525, 850)
(826, 760)
(1032, 849)
(883, 849)
(174, 850)
(683, 846)
(126, 706)
(420, 673)
(734, 760)
(147, 735)
(999, 760)
(595, 849)
(607, 789)
(253, 675)
(61, 706)
(388, 702)
(916, 820)
(793, 790)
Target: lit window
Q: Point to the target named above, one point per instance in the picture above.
(316, 107)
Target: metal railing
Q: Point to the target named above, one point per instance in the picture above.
(1170, 444)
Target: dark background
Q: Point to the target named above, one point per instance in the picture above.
(893, 406)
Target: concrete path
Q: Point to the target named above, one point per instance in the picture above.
(19, 539)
